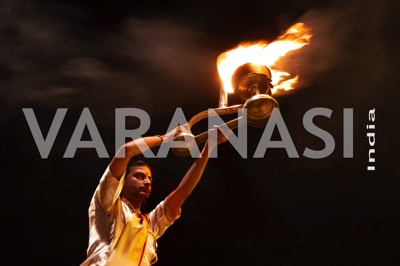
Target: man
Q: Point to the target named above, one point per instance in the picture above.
(118, 233)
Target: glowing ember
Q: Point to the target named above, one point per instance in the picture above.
(262, 53)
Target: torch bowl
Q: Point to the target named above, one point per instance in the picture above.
(259, 108)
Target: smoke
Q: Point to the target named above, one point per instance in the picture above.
(351, 53)
(57, 59)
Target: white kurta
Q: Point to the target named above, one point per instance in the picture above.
(102, 222)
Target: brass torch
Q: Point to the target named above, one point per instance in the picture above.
(252, 86)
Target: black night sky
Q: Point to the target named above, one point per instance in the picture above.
(160, 55)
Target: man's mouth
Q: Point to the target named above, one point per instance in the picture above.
(145, 190)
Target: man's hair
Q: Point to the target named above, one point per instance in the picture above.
(132, 164)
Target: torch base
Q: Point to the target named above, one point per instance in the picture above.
(259, 108)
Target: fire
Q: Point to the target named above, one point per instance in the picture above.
(268, 54)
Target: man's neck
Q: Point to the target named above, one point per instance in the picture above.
(133, 203)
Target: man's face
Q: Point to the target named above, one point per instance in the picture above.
(138, 182)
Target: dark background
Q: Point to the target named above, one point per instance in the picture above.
(160, 55)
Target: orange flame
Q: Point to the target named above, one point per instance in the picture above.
(262, 53)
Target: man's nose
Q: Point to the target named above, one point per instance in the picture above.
(147, 180)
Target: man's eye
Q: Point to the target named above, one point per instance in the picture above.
(140, 176)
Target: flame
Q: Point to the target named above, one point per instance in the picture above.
(262, 53)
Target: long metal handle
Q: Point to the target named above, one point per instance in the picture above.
(259, 108)
(218, 111)
(232, 124)
(202, 137)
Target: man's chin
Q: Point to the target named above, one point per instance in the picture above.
(144, 195)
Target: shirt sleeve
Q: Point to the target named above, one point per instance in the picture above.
(161, 218)
(108, 191)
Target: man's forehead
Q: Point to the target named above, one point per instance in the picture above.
(141, 168)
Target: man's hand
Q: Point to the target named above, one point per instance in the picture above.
(216, 133)
(169, 137)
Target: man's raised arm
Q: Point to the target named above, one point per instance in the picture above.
(175, 200)
(129, 150)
